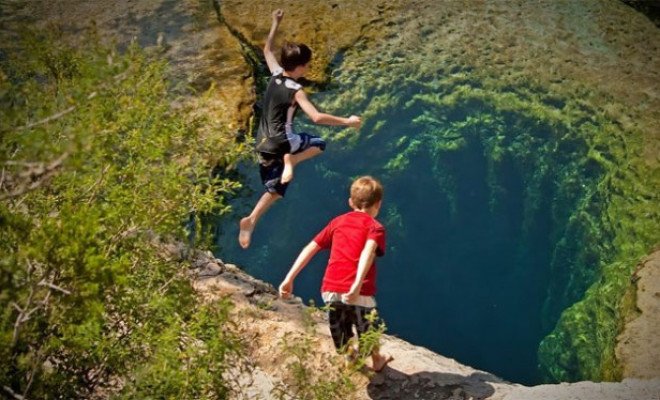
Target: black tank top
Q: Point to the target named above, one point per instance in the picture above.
(279, 109)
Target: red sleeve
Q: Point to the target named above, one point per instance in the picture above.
(324, 238)
(377, 233)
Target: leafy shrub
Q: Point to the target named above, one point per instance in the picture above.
(95, 163)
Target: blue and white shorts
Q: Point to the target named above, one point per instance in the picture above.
(271, 166)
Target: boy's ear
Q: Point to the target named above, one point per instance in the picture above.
(350, 203)
(300, 70)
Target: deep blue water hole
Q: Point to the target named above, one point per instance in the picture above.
(467, 265)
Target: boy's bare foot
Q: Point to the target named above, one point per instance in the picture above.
(287, 173)
(379, 361)
(245, 233)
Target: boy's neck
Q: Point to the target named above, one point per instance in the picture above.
(372, 211)
(292, 75)
(297, 73)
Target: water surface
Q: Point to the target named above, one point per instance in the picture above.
(482, 184)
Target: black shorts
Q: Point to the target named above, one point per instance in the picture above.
(270, 171)
(343, 317)
(271, 166)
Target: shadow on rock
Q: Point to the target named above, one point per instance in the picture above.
(394, 384)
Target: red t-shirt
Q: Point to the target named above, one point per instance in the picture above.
(346, 236)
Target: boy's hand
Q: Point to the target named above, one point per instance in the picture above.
(352, 296)
(354, 121)
(277, 15)
(286, 289)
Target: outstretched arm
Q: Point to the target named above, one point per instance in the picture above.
(271, 60)
(307, 253)
(364, 265)
(323, 118)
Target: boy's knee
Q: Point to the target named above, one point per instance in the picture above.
(318, 143)
(311, 141)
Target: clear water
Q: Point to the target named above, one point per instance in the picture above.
(465, 274)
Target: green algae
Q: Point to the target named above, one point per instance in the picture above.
(605, 208)
(577, 133)
(589, 329)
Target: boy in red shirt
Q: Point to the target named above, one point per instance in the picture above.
(349, 283)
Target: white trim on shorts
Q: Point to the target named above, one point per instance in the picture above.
(362, 301)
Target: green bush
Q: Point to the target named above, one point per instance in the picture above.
(94, 164)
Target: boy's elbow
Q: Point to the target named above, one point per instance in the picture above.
(317, 118)
(267, 48)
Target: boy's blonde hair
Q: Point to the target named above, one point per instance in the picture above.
(365, 192)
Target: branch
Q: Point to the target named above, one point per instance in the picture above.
(12, 393)
(121, 235)
(21, 313)
(46, 120)
(95, 184)
(163, 288)
(54, 116)
(38, 173)
(32, 374)
(117, 78)
(17, 307)
(26, 315)
(53, 286)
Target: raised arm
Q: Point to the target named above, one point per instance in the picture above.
(307, 253)
(364, 264)
(271, 60)
(323, 118)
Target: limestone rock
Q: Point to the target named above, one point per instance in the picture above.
(638, 347)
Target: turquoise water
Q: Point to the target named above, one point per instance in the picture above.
(471, 237)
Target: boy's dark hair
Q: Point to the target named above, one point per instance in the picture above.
(365, 192)
(294, 54)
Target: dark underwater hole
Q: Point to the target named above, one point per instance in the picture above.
(473, 230)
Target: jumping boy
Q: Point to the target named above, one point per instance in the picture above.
(280, 148)
(349, 283)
